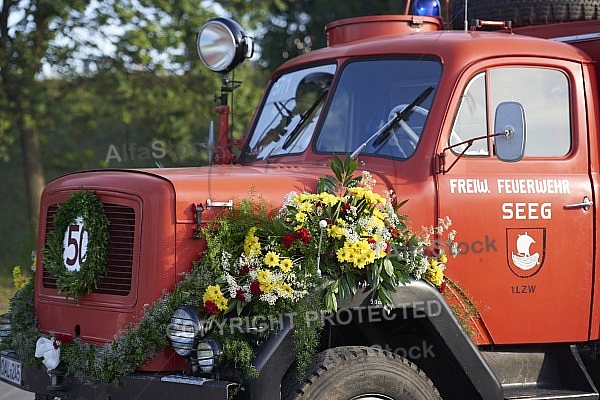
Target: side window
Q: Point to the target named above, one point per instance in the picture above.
(544, 95)
(471, 121)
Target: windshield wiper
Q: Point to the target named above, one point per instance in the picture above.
(385, 131)
(303, 118)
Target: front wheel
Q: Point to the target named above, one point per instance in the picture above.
(365, 373)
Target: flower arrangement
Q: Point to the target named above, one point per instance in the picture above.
(340, 238)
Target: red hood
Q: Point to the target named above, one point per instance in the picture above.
(221, 183)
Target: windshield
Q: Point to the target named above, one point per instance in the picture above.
(289, 115)
(369, 93)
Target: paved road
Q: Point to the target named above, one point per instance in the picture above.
(8, 392)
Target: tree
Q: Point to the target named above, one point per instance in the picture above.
(25, 34)
(73, 39)
(296, 27)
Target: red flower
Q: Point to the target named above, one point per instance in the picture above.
(244, 270)
(240, 294)
(371, 241)
(303, 235)
(288, 240)
(255, 288)
(63, 338)
(211, 308)
(443, 287)
(388, 246)
(394, 232)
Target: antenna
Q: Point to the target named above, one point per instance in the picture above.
(466, 17)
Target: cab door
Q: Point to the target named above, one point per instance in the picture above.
(524, 228)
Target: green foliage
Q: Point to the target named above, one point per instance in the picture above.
(24, 333)
(131, 348)
(308, 326)
(76, 283)
(241, 354)
(298, 27)
(343, 171)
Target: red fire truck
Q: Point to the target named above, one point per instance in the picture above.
(492, 125)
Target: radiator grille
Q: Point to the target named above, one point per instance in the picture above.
(117, 280)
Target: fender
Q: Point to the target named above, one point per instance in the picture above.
(276, 355)
(449, 330)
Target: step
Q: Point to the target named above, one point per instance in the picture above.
(537, 393)
(541, 372)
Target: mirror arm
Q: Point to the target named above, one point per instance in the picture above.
(441, 168)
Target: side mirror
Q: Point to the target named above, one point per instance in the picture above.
(509, 126)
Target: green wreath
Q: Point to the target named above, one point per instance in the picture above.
(92, 265)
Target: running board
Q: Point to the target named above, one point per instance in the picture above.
(541, 373)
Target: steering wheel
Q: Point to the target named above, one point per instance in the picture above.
(413, 138)
(405, 149)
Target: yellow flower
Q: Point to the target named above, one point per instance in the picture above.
(213, 293)
(287, 290)
(266, 287)
(434, 274)
(265, 280)
(251, 243)
(358, 192)
(329, 199)
(286, 265)
(375, 222)
(271, 259)
(378, 214)
(358, 253)
(373, 198)
(306, 207)
(221, 303)
(444, 259)
(335, 232)
(302, 197)
(301, 217)
(263, 276)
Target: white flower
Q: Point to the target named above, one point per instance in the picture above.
(367, 181)
(269, 298)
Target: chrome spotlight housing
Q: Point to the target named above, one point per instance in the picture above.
(222, 45)
(184, 329)
(209, 355)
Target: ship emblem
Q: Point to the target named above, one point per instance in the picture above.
(525, 248)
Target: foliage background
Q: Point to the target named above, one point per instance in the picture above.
(79, 76)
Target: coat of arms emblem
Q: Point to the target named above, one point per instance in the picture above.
(525, 250)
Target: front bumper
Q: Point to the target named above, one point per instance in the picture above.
(140, 386)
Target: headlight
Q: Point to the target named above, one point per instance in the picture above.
(4, 326)
(184, 328)
(209, 355)
(222, 45)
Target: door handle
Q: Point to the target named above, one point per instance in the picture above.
(210, 203)
(585, 204)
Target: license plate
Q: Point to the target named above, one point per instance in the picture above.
(10, 370)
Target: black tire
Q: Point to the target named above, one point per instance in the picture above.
(353, 373)
(525, 12)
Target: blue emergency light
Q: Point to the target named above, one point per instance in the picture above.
(429, 8)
